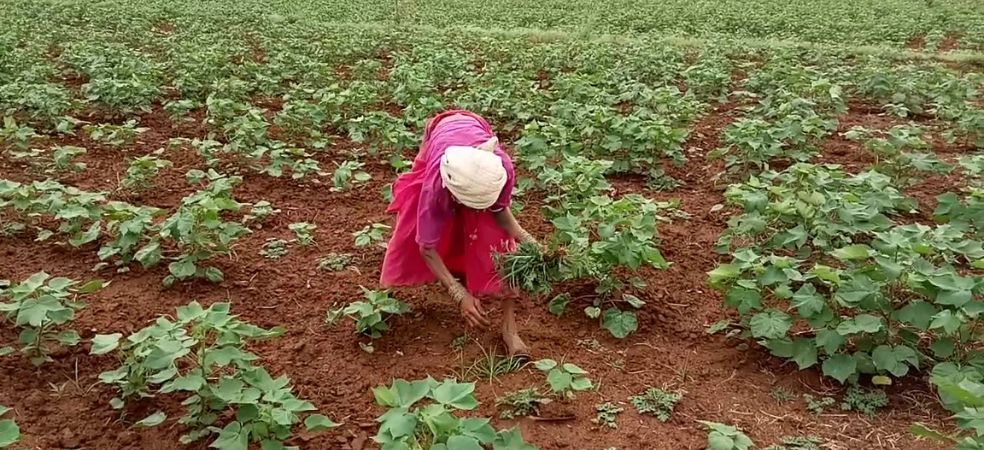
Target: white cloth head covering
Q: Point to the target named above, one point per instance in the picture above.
(474, 175)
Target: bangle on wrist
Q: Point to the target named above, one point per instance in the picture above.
(457, 293)
(525, 236)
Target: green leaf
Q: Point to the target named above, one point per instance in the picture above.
(188, 383)
(920, 430)
(68, 338)
(744, 300)
(718, 326)
(592, 312)
(894, 360)
(559, 380)
(943, 348)
(918, 314)
(511, 439)
(463, 443)
(771, 324)
(213, 275)
(545, 364)
(574, 369)
(722, 274)
(581, 384)
(840, 367)
(852, 252)
(829, 340)
(152, 420)
(718, 441)
(91, 286)
(633, 300)
(458, 395)
(149, 255)
(318, 422)
(804, 353)
(558, 304)
(862, 323)
(232, 437)
(807, 302)
(105, 343)
(947, 320)
(9, 433)
(183, 268)
(620, 323)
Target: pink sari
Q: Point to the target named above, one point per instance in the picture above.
(466, 239)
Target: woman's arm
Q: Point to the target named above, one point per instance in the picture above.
(508, 222)
(471, 308)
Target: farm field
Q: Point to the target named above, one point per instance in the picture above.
(769, 215)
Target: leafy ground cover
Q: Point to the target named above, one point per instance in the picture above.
(817, 207)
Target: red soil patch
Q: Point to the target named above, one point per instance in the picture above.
(722, 382)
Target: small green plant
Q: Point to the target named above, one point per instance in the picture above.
(112, 134)
(201, 353)
(260, 211)
(459, 343)
(199, 231)
(304, 232)
(370, 316)
(423, 415)
(607, 414)
(334, 262)
(817, 405)
(726, 437)
(274, 248)
(656, 402)
(564, 379)
(16, 135)
(9, 432)
(371, 234)
(782, 395)
(141, 172)
(347, 175)
(797, 443)
(521, 403)
(40, 307)
(63, 159)
(866, 402)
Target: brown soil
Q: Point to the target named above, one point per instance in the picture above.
(61, 405)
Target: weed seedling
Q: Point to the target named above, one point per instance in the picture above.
(334, 262)
(521, 403)
(656, 402)
(304, 232)
(866, 402)
(607, 413)
(817, 405)
(274, 248)
(797, 443)
(782, 395)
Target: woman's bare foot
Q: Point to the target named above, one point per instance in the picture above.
(514, 344)
(510, 332)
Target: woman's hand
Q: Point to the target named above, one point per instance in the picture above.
(471, 310)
